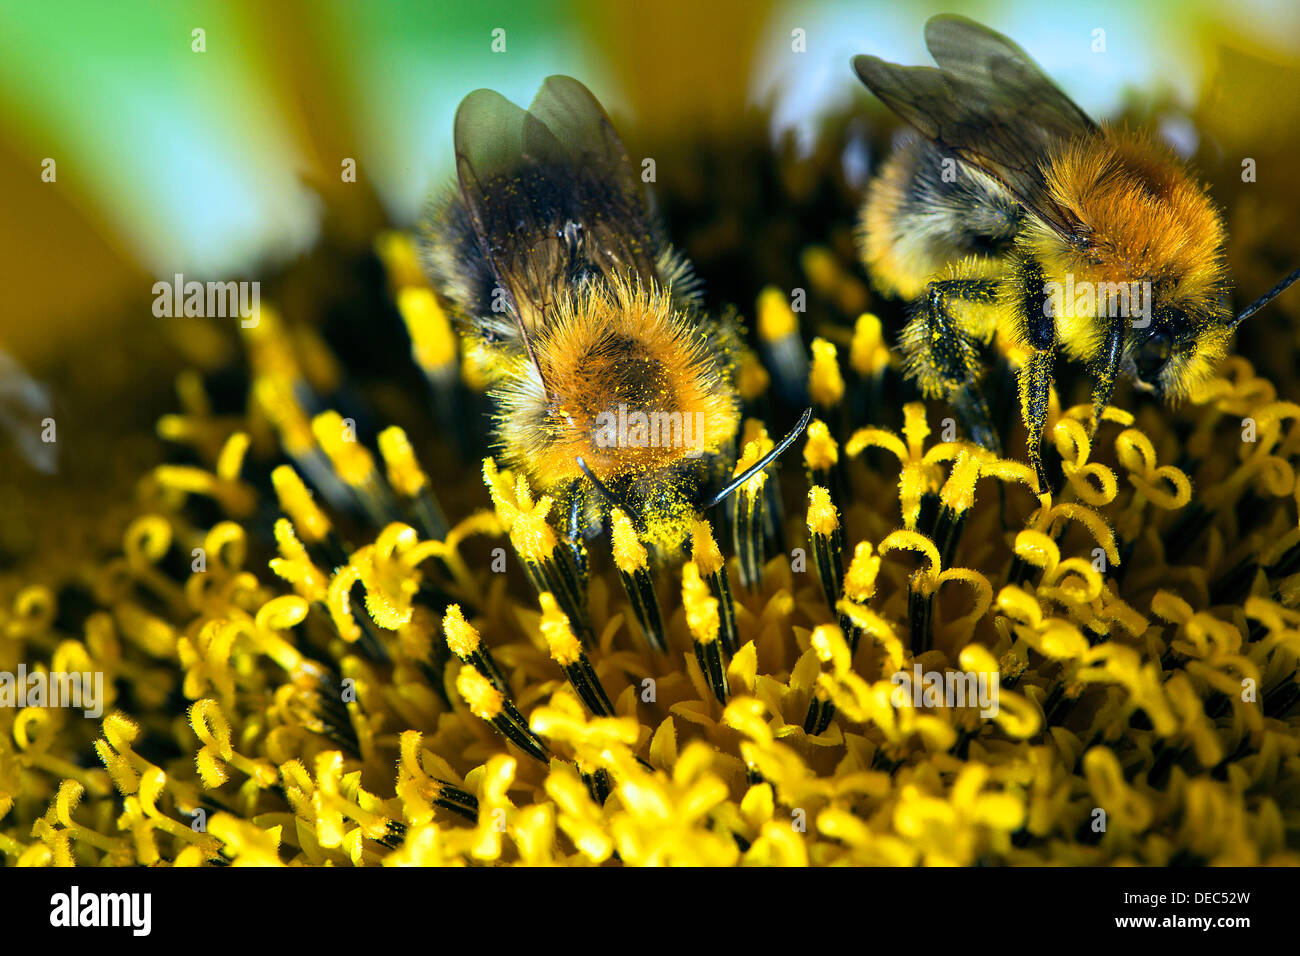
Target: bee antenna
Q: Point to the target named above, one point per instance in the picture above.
(600, 486)
(763, 462)
(1265, 299)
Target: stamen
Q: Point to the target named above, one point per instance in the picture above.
(747, 507)
(550, 566)
(708, 559)
(633, 567)
(703, 620)
(355, 466)
(411, 483)
(567, 651)
(483, 686)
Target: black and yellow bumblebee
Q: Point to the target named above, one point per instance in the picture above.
(586, 319)
(1014, 217)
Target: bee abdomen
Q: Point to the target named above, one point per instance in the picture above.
(454, 259)
(926, 210)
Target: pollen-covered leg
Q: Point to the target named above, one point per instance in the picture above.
(1105, 368)
(1035, 329)
(941, 350)
(1035, 396)
(974, 411)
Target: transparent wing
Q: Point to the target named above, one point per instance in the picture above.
(550, 193)
(988, 104)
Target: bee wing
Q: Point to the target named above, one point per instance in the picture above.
(550, 192)
(987, 103)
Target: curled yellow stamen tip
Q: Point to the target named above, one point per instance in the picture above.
(823, 519)
(433, 343)
(462, 639)
(629, 553)
(296, 501)
(958, 493)
(704, 548)
(295, 565)
(404, 472)
(565, 648)
(231, 459)
(339, 598)
(820, 451)
(776, 320)
(290, 546)
(337, 438)
(825, 383)
(868, 354)
(860, 580)
(700, 605)
(905, 540)
(484, 700)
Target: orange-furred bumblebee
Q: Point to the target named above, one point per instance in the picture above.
(611, 385)
(1014, 217)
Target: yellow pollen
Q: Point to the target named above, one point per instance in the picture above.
(822, 516)
(704, 548)
(296, 501)
(484, 700)
(820, 452)
(629, 553)
(462, 639)
(860, 579)
(565, 648)
(404, 472)
(958, 493)
(700, 605)
(825, 383)
(532, 535)
(337, 438)
(433, 343)
(868, 354)
(776, 320)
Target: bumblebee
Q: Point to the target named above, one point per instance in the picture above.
(1014, 217)
(611, 385)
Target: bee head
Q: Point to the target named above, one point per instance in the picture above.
(1178, 347)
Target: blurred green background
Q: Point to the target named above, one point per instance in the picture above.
(214, 163)
(226, 163)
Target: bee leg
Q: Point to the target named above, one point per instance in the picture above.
(1035, 394)
(943, 357)
(576, 545)
(1106, 369)
(575, 511)
(974, 410)
(1035, 376)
